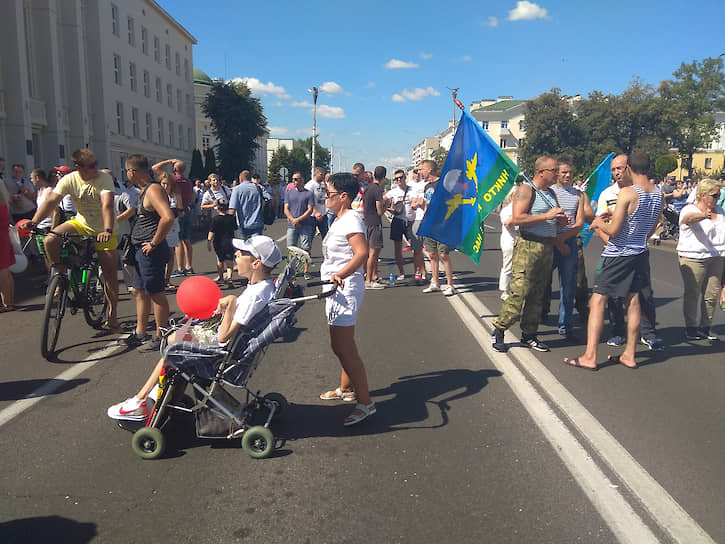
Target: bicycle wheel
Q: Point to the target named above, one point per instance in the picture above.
(55, 299)
(95, 303)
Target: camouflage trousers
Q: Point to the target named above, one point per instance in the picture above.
(530, 268)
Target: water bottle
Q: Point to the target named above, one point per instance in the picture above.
(391, 275)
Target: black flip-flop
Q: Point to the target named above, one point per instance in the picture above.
(616, 359)
(575, 363)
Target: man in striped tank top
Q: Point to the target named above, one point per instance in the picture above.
(624, 267)
(537, 214)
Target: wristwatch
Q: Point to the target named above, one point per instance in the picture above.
(109, 231)
(153, 246)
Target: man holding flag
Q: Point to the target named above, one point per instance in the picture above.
(536, 212)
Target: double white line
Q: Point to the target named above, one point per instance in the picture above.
(619, 512)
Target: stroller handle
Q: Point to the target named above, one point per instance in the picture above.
(318, 296)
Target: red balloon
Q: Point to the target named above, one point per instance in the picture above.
(20, 225)
(198, 297)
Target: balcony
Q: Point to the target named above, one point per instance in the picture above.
(38, 115)
(504, 132)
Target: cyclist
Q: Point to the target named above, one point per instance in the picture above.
(92, 193)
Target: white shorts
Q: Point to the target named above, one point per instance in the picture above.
(341, 308)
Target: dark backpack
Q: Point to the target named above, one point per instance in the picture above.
(268, 213)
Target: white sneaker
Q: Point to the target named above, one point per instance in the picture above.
(449, 290)
(432, 288)
(131, 409)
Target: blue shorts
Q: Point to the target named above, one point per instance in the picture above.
(185, 223)
(301, 237)
(151, 269)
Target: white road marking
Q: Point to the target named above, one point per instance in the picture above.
(619, 515)
(18, 407)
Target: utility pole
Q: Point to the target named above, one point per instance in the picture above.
(454, 92)
(315, 92)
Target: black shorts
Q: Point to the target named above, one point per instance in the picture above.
(151, 269)
(375, 236)
(398, 227)
(621, 276)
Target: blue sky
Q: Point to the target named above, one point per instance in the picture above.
(386, 64)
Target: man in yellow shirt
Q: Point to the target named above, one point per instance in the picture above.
(92, 194)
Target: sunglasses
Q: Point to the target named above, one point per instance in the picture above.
(399, 178)
(328, 194)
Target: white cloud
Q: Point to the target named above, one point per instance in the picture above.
(330, 87)
(395, 161)
(331, 112)
(278, 131)
(426, 56)
(303, 104)
(306, 132)
(466, 58)
(492, 21)
(357, 133)
(415, 95)
(527, 11)
(394, 64)
(257, 87)
(370, 84)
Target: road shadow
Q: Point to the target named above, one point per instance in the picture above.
(28, 389)
(91, 347)
(45, 529)
(421, 401)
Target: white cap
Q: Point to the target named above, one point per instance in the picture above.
(261, 247)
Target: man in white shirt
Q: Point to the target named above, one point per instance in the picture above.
(317, 186)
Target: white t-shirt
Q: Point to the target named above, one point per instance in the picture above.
(316, 190)
(337, 252)
(41, 195)
(255, 297)
(222, 193)
(704, 238)
(507, 233)
(418, 188)
(607, 199)
(395, 195)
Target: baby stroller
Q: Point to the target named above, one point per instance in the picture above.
(212, 370)
(671, 223)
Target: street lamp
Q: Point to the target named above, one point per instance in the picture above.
(315, 91)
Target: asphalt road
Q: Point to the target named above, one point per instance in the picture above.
(468, 445)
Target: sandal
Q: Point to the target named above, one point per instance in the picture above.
(113, 329)
(359, 413)
(339, 394)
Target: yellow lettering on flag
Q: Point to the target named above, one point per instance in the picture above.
(471, 170)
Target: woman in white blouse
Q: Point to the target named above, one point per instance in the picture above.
(701, 251)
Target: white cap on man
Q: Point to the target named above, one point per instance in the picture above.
(261, 247)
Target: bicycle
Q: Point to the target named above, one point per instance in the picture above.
(81, 287)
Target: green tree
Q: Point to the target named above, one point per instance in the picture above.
(210, 165)
(197, 166)
(237, 121)
(440, 155)
(279, 159)
(664, 165)
(322, 154)
(697, 91)
(551, 129)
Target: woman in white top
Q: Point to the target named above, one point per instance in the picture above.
(168, 182)
(508, 234)
(701, 251)
(345, 251)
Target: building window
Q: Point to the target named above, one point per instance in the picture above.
(484, 125)
(115, 20)
(189, 111)
(144, 40)
(116, 69)
(178, 64)
(149, 126)
(186, 69)
(157, 49)
(146, 84)
(171, 133)
(167, 56)
(169, 95)
(158, 91)
(160, 130)
(504, 124)
(205, 143)
(181, 137)
(521, 125)
(131, 32)
(132, 76)
(502, 143)
(708, 163)
(178, 100)
(119, 118)
(134, 122)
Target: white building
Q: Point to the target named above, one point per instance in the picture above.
(113, 76)
(424, 150)
(274, 144)
(503, 119)
(204, 133)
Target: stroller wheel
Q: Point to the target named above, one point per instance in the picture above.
(281, 404)
(148, 443)
(258, 442)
